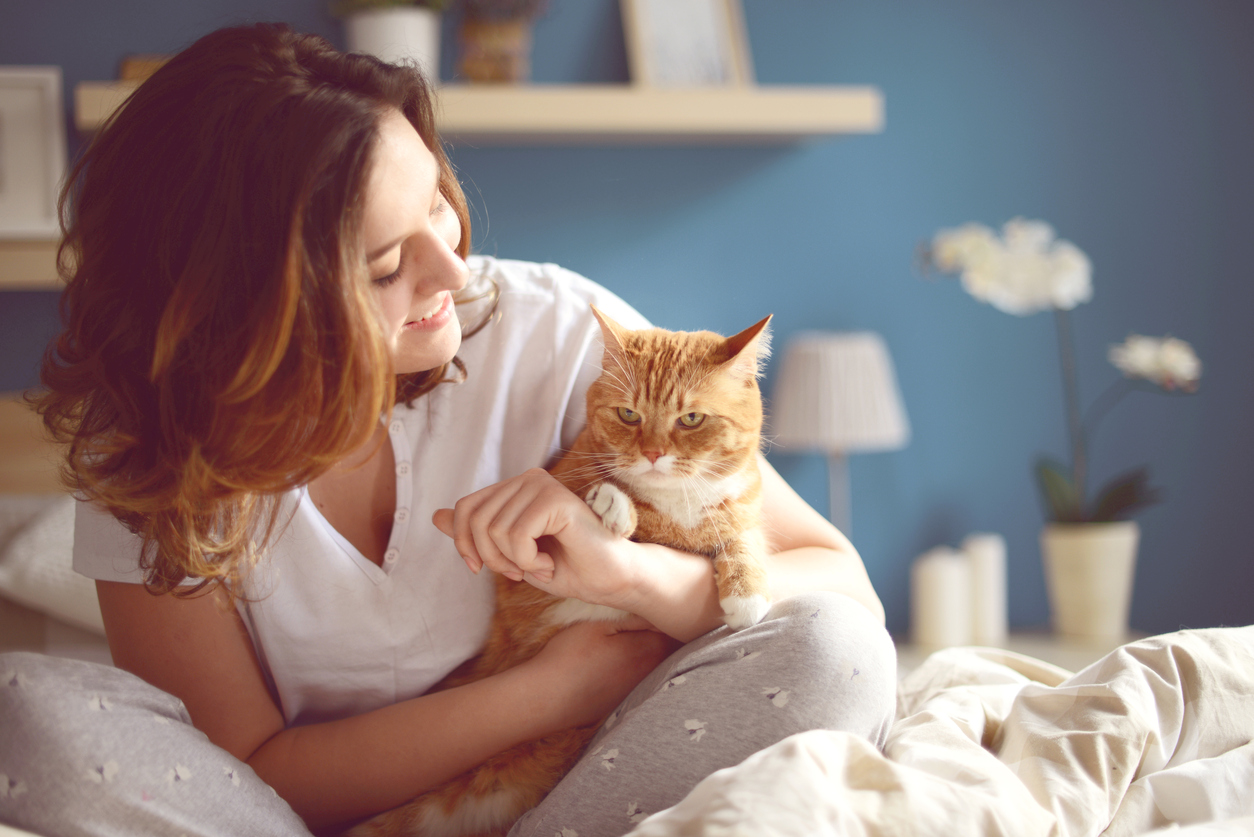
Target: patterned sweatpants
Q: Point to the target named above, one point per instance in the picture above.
(92, 750)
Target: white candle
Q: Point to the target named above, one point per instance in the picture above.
(940, 593)
(987, 553)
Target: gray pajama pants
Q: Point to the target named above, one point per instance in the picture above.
(91, 750)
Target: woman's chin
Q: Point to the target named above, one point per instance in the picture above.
(418, 351)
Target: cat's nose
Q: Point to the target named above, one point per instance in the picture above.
(652, 455)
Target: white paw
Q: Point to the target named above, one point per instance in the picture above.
(741, 612)
(612, 506)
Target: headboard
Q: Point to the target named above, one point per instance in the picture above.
(28, 459)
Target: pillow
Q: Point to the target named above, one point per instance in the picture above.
(36, 562)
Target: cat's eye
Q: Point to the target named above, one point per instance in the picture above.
(691, 420)
(628, 415)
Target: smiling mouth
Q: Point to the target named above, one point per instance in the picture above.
(435, 313)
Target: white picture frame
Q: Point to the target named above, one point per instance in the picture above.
(686, 43)
(32, 152)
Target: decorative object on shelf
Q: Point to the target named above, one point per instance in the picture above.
(1023, 271)
(687, 43)
(986, 551)
(396, 31)
(138, 68)
(32, 152)
(495, 38)
(837, 393)
(1089, 571)
(940, 599)
(958, 596)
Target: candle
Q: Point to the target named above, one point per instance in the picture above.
(940, 594)
(987, 553)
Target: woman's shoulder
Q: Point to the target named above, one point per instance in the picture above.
(537, 286)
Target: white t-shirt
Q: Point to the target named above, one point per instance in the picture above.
(338, 635)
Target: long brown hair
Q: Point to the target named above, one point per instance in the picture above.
(220, 342)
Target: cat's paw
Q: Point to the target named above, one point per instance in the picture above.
(740, 612)
(614, 507)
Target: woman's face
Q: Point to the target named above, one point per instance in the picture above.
(411, 237)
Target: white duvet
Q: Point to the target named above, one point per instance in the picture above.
(1157, 735)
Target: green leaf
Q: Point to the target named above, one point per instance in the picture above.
(1058, 491)
(1124, 495)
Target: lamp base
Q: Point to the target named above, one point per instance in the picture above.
(838, 493)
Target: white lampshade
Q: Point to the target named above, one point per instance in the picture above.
(837, 393)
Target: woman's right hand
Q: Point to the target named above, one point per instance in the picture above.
(594, 665)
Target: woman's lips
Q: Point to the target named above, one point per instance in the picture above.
(436, 320)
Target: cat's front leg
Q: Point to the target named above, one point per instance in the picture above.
(614, 507)
(740, 570)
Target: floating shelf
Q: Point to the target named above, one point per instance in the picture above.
(28, 266)
(611, 114)
(556, 115)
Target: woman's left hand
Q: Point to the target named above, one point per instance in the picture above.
(533, 528)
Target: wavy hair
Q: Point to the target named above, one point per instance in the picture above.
(220, 343)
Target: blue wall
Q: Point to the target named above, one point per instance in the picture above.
(1127, 124)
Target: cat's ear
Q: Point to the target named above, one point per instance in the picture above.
(613, 334)
(749, 350)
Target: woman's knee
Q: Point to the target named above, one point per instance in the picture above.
(836, 647)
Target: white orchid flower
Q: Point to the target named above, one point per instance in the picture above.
(1166, 361)
(1023, 271)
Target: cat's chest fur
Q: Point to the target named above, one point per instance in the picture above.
(687, 503)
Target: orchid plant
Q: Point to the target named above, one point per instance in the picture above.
(1025, 270)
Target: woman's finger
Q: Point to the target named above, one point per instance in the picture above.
(470, 516)
(443, 520)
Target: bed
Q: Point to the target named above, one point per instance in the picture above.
(1155, 737)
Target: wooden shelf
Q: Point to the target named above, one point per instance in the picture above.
(28, 266)
(605, 114)
(556, 115)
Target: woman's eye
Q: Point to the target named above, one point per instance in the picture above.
(628, 416)
(384, 281)
(691, 420)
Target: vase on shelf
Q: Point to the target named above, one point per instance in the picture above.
(397, 35)
(495, 50)
(1089, 569)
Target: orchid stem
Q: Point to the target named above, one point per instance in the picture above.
(1075, 424)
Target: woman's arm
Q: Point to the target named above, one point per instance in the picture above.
(331, 773)
(809, 552)
(532, 527)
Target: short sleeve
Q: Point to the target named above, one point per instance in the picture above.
(104, 549)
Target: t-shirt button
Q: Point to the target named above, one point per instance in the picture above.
(402, 515)
(391, 555)
(396, 427)
(402, 468)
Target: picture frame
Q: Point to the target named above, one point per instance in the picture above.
(32, 151)
(686, 43)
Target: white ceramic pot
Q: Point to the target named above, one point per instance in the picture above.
(1089, 568)
(398, 35)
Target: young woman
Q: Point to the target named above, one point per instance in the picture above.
(282, 446)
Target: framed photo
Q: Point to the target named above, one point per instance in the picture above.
(686, 43)
(32, 151)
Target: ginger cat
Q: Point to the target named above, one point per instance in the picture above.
(669, 455)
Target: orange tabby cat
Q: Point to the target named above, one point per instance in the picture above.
(669, 455)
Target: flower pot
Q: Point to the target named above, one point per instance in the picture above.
(495, 51)
(398, 35)
(1089, 569)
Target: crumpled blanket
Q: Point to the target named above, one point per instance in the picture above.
(1159, 734)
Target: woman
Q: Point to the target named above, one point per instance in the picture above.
(268, 242)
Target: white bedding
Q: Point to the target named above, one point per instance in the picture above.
(1156, 735)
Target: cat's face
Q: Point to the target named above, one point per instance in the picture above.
(674, 407)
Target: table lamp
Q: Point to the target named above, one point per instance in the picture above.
(836, 393)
